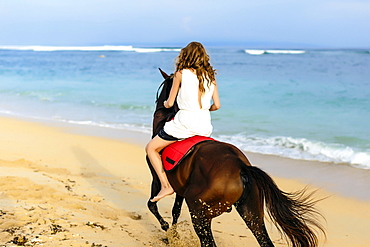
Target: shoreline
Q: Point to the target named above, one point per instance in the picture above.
(342, 179)
(79, 185)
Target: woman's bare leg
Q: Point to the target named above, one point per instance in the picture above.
(152, 149)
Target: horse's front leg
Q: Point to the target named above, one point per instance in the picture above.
(154, 209)
(176, 211)
(155, 188)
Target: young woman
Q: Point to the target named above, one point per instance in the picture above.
(195, 87)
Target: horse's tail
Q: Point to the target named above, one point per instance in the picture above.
(294, 214)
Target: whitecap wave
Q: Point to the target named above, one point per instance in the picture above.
(149, 50)
(285, 51)
(261, 52)
(301, 148)
(255, 52)
(68, 48)
(87, 48)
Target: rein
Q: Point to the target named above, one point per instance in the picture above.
(159, 88)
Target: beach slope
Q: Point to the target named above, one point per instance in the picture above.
(61, 188)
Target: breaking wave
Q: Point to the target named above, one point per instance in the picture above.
(301, 148)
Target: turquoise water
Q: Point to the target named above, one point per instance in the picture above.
(306, 104)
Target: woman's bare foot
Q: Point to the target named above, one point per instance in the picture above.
(164, 192)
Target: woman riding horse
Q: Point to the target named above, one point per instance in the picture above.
(215, 176)
(194, 85)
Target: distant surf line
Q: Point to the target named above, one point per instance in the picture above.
(261, 52)
(89, 48)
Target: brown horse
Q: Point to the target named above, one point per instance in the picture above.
(217, 175)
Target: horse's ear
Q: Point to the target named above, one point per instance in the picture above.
(164, 74)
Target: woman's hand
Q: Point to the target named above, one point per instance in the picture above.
(166, 105)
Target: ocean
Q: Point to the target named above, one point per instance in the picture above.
(308, 104)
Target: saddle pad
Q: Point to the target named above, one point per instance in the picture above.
(173, 154)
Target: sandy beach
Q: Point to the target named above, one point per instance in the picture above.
(66, 185)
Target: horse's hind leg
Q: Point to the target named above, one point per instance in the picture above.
(202, 227)
(251, 210)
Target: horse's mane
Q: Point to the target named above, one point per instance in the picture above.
(162, 114)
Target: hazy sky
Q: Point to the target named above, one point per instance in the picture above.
(323, 23)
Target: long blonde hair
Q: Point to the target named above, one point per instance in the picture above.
(194, 56)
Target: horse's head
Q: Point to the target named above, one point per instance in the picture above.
(162, 114)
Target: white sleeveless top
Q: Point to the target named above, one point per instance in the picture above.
(191, 120)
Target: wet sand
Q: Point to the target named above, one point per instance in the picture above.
(67, 185)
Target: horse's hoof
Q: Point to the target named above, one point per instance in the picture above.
(165, 227)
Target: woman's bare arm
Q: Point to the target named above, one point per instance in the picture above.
(216, 100)
(174, 90)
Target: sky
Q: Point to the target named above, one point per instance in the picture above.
(253, 23)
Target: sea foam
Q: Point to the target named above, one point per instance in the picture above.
(301, 148)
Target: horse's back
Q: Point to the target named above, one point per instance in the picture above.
(211, 173)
